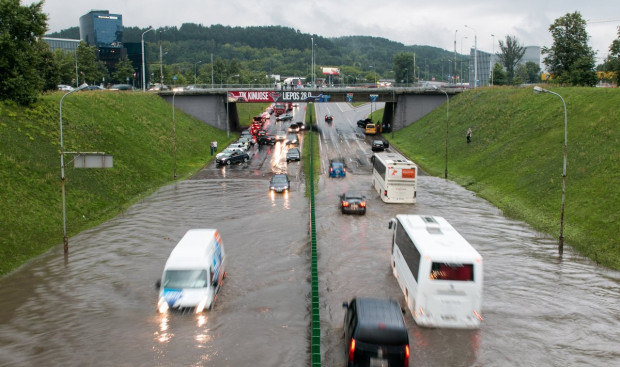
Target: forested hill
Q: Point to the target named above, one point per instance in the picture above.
(272, 46)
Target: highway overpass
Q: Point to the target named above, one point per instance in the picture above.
(218, 107)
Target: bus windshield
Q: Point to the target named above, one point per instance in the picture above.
(457, 272)
(185, 279)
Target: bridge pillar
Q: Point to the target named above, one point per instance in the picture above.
(211, 109)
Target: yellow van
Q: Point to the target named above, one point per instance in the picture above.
(371, 129)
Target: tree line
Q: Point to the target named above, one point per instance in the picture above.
(217, 54)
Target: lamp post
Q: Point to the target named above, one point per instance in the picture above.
(491, 61)
(143, 68)
(475, 56)
(312, 63)
(374, 72)
(447, 126)
(454, 74)
(161, 68)
(462, 79)
(174, 136)
(196, 70)
(65, 239)
(537, 90)
(407, 70)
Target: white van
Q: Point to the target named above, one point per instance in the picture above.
(193, 273)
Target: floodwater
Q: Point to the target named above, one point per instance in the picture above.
(98, 307)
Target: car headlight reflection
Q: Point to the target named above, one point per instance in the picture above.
(201, 306)
(162, 305)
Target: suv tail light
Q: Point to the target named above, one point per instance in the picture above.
(352, 350)
(363, 204)
(345, 203)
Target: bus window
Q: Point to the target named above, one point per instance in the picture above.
(457, 272)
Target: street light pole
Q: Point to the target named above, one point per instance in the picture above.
(174, 136)
(462, 79)
(475, 56)
(537, 90)
(491, 61)
(196, 70)
(161, 68)
(65, 239)
(312, 63)
(454, 74)
(143, 68)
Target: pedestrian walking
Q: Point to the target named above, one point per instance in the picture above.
(469, 135)
(212, 147)
(215, 146)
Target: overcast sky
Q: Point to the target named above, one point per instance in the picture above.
(411, 22)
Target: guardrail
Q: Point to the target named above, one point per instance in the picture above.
(315, 331)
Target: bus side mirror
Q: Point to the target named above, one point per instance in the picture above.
(158, 284)
(345, 304)
(391, 223)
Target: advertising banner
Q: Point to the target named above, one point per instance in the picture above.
(331, 71)
(271, 96)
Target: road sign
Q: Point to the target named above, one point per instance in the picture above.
(93, 161)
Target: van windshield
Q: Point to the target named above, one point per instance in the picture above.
(185, 279)
(458, 272)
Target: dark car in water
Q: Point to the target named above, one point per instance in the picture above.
(266, 140)
(293, 154)
(363, 123)
(375, 333)
(294, 128)
(279, 183)
(352, 203)
(301, 125)
(233, 157)
(379, 145)
(336, 169)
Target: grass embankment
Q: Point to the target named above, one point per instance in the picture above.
(246, 111)
(516, 156)
(136, 128)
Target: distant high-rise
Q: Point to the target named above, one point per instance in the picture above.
(99, 28)
(104, 31)
(532, 53)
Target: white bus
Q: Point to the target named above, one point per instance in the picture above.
(394, 177)
(439, 272)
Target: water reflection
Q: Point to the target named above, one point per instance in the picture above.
(280, 199)
(163, 336)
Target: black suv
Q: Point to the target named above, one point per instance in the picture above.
(379, 145)
(234, 157)
(375, 333)
(266, 140)
(363, 123)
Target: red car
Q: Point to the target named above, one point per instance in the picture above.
(255, 128)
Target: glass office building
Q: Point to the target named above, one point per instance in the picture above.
(62, 44)
(484, 68)
(99, 28)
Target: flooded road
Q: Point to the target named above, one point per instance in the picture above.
(99, 307)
